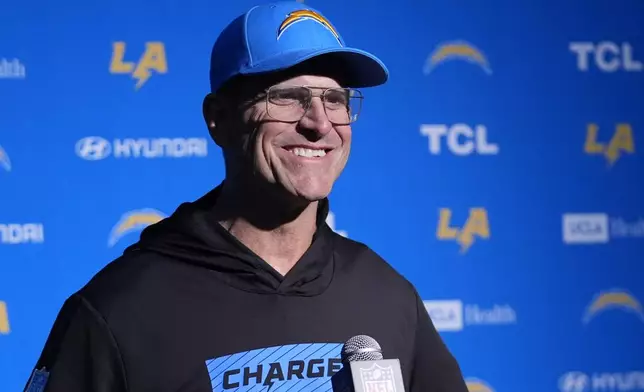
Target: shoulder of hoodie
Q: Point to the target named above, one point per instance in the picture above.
(119, 283)
(355, 255)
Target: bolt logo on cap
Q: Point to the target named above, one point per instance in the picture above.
(301, 15)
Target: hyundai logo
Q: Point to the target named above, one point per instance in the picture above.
(574, 382)
(93, 148)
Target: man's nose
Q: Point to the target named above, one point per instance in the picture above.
(316, 119)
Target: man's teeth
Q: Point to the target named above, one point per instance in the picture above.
(307, 152)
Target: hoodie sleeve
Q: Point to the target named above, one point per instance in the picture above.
(434, 367)
(80, 353)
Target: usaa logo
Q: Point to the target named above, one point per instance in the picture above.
(153, 58)
(613, 299)
(621, 142)
(4, 319)
(133, 221)
(476, 225)
(5, 162)
(456, 50)
(477, 385)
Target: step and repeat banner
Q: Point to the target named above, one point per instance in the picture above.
(500, 169)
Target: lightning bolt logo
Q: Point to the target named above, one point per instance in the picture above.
(457, 50)
(5, 162)
(134, 221)
(141, 75)
(613, 299)
(302, 15)
(477, 385)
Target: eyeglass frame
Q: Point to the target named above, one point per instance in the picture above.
(265, 94)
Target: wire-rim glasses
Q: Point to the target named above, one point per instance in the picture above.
(290, 104)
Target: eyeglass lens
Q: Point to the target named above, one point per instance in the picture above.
(342, 105)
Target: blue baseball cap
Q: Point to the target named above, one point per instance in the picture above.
(277, 36)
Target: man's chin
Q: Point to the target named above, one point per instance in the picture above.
(312, 193)
(312, 196)
(303, 188)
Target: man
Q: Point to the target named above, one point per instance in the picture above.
(247, 289)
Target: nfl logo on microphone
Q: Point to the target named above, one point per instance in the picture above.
(378, 379)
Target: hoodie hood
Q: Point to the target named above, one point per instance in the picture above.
(192, 235)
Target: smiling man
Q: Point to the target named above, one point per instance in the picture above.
(247, 288)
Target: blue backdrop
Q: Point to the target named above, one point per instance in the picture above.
(500, 169)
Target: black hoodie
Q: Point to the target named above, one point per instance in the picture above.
(190, 308)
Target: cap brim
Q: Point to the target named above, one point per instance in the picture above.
(357, 67)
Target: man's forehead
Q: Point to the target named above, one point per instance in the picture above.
(309, 80)
(258, 84)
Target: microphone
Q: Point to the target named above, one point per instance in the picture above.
(365, 369)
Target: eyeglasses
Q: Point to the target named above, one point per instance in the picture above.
(289, 104)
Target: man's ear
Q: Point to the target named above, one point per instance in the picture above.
(215, 117)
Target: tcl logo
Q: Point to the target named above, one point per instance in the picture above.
(606, 56)
(460, 139)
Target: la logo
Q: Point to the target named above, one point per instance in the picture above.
(477, 225)
(621, 142)
(153, 58)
